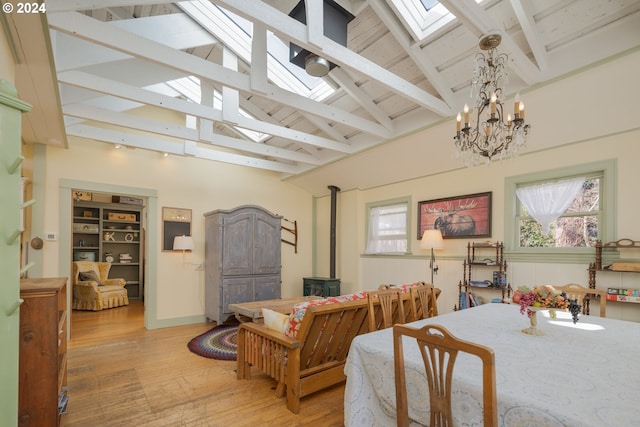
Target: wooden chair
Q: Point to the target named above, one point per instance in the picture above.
(439, 349)
(423, 301)
(391, 308)
(575, 291)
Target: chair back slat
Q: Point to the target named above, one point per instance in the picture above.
(576, 291)
(390, 308)
(439, 350)
(423, 302)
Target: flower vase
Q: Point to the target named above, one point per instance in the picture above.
(533, 320)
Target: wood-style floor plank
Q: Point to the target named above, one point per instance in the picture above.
(122, 375)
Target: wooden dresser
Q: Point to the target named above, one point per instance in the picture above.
(43, 352)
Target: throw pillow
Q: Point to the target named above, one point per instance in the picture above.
(299, 310)
(274, 320)
(90, 275)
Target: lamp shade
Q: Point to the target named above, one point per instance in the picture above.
(183, 243)
(432, 239)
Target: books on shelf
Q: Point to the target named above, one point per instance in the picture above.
(125, 258)
(622, 294)
(468, 300)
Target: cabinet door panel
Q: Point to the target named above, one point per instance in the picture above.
(236, 290)
(267, 245)
(267, 287)
(237, 248)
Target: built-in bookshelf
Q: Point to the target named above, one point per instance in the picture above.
(111, 232)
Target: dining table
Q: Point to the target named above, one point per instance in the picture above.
(578, 374)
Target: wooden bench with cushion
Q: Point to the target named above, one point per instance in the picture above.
(310, 356)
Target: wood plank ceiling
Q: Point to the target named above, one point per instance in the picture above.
(114, 56)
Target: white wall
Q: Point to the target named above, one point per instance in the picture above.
(180, 182)
(593, 121)
(369, 272)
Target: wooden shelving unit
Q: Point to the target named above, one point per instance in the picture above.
(598, 266)
(480, 256)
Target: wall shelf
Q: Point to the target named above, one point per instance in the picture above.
(615, 294)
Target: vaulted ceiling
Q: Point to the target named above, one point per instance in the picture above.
(208, 60)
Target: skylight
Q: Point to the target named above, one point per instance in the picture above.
(423, 17)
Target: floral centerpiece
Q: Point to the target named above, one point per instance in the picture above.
(546, 297)
(540, 296)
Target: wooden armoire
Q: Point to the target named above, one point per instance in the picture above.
(242, 258)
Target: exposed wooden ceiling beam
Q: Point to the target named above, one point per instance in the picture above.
(525, 18)
(185, 149)
(292, 30)
(349, 86)
(103, 34)
(114, 88)
(138, 123)
(417, 54)
(73, 5)
(480, 23)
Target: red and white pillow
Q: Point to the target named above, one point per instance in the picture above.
(299, 310)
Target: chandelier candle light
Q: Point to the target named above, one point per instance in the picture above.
(492, 136)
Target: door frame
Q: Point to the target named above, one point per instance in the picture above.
(151, 236)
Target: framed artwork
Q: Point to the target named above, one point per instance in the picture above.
(175, 222)
(457, 217)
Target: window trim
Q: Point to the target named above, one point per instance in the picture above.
(388, 202)
(606, 227)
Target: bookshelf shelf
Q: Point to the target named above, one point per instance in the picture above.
(615, 294)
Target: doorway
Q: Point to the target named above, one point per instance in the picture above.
(110, 228)
(150, 221)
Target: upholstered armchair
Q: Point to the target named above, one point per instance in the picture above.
(92, 288)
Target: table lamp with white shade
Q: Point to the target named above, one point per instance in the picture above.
(183, 243)
(432, 239)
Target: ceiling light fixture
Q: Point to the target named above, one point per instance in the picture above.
(491, 136)
(117, 146)
(316, 66)
(335, 20)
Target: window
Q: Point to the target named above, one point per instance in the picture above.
(574, 227)
(388, 227)
(423, 17)
(590, 215)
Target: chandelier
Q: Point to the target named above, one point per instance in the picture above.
(491, 135)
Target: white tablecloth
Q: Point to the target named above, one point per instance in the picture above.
(587, 374)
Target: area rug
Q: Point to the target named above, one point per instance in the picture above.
(219, 343)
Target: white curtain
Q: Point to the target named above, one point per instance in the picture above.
(387, 229)
(546, 202)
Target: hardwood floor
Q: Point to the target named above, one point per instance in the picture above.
(120, 374)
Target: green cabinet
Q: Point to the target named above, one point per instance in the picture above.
(321, 286)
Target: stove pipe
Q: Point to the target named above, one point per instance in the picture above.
(332, 240)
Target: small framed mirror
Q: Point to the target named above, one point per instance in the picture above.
(175, 222)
